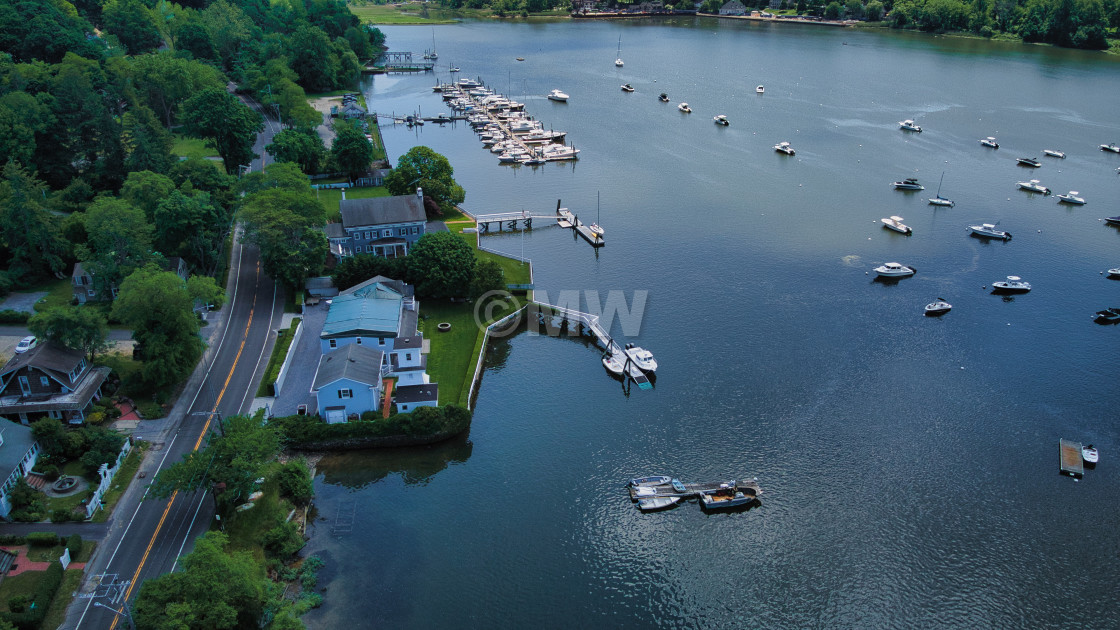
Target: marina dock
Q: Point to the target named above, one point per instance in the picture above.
(559, 317)
(1069, 453)
(568, 220)
(692, 490)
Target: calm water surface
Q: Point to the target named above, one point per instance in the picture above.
(909, 464)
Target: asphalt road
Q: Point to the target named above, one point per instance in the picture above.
(147, 536)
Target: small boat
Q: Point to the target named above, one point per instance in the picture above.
(1089, 454)
(1034, 186)
(618, 60)
(558, 96)
(454, 69)
(614, 365)
(1072, 198)
(894, 270)
(988, 230)
(726, 496)
(1112, 220)
(641, 357)
(895, 223)
(1111, 148)
(1013, 284)
(1028, 162)
(657, 503)
(721, 120)
(1107, 316)
(684, 108)
(990, 142)
(1054, 153)
(664, 98)
(784, 147)
(909, 183)
(760, 90)
(652, 480)
(626, 87)
(940, 307)
(521, 59)
(939, 200)
(596, 230)
(1114, 272)
(909, 125)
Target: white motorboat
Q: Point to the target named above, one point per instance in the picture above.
(909, 125)
(1054, 153)
(614, 364)
(641, 357)
(664, 98)
(657, 503)
(989, 230)
(721, 120)
(1031, 162)
(626, 87)
(1034, 186)
(558, 96)
(940, 307)
(895, 223)
(990, 142)
(1013, 284)
(939, 200)
(684, 108)
(1111, 148)
(1112, 220)
(557, 152)
(894, 270)
(1089, 454)
(909, 183)
(760, 90)
(726, 496)
(784, 147)
(651, 480)
(618, 60)
(1071, 198)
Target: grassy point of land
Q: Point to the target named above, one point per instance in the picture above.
(246, 529)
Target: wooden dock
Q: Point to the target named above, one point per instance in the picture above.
(1069, 453)
(568, 220)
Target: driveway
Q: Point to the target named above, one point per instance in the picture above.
(305, 360)
(24, 302)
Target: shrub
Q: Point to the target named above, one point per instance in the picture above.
(282, 541)
(42, 539)
(62, 516)
(295, 482)
(18, 603)
(42, 597)
(302, 431)
(12, 539)
(74, 544)
(149, 409)
(95, 418)
(8, 316)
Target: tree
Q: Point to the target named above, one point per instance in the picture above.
(422, 167)
(833, 10)
(309, 51)
(146, 190)
(146, 144)
(218, 588)
(304, 148)
(102, 447)
(164, 82)
(193, 38)
(226, 123)
(29, 232)
(351, 151)
(132, 23)
(52, 437)
(230, 30)
(874, 11)
(119, 241)
(77, 328)
(204, 290)
(191, 226)
(285, 224)
(854, 9)
(356, 269)
(441, 265)
(488, 276)
(22, 118)
(295, 482)
(156, 305)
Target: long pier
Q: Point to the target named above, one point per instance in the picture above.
(399, 62)
(588, 323)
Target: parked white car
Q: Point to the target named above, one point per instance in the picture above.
(26, 344)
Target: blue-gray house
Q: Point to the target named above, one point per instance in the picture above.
(383, 226)
(348, 383)
(18, 453)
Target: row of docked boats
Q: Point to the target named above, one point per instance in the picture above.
(503, 126)
(658, 492)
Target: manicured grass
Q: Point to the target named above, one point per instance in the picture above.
(50, 554)
(56, 614)
(276, 361)
(331, 196)
(390, 14)
(26, 583)
(452, 359)
(59, 293)
(64, 503)
(516, 271)
(191, 147)
(120, 483)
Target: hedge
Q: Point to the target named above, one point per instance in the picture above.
(48, 588)
(308, 431)
(8, 316)
(42, 539)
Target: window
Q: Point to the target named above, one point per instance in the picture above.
(371, 249)
(402, 231)
(380, 341)
(345, 393)
(415, 229)
(333, 343)
(387, 233)
(408, 356)
(369, 236)
(45, 382)
(91, 292)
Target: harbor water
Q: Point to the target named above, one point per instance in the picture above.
(909, 464)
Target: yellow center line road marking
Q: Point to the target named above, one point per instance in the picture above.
(197, 444)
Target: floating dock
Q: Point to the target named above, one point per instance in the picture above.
(1069, 453)
(693, 490)
(586, 323)
(568, 220)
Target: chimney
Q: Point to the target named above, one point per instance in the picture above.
(344, 194)
(420, 194)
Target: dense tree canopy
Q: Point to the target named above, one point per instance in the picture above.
(284, 221)
(441, 265)
(351, 151)
(158, 308)
(422, 167)
(73, 327)
(225, 122)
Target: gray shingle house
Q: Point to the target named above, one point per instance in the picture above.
(49, 380)
(18, 452)
(348, 382)
(383, 226)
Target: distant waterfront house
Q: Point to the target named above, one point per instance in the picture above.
(348, 383)
(409, 397)
(18, 453)
(52, 381)
(81, 284)
(734, 7)
(383, 226)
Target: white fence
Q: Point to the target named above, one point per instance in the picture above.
(288, 360)
(107, 475)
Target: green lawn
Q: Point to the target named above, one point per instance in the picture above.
(56, 614)
(276, 361)
(453, 356)
(191, 147)
(395, 14)
(330, 198)
(50, 554)
(59, 293)
(516, 271)
(246, 529)
(120, 483)
(26, 583)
